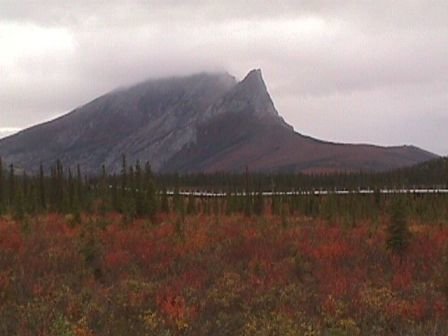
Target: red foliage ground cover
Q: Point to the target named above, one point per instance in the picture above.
(227, 275)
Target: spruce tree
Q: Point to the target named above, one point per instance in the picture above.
(259, 204)
(377, 198)
(150, 199)
(275, 204)
(26, 197)
(79, 186)
(191, 205)
(52, 188)
(103, 182)
(398, 234)
(177, 200)
(103, 191)
(229, 203)
(124, 171)
(115, 195)
(130, 194)
(164, 207)
(33, 197)
(57, 186)
(42, 196)
(248, 196)
(71, 191)
(215, 206)
(18, 204)
(12, 185)
(123, 184)
(138, 191)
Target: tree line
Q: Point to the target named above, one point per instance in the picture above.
(63, 190)
(429, 174)
(137, 192)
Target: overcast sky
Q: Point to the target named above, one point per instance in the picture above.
(343, 70)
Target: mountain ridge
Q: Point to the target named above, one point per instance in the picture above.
(203, 122)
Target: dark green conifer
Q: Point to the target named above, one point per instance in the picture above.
(115, 195)
(275, 204)
(42, 196)
(191, 205)
(150, 199)
(259, 204)
(79, 185)
(12, 186)
(164, 207)
(398, 234)
(248, 195)
(139, 191)
(124, 172)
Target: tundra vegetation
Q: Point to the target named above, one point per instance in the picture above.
(119, 255)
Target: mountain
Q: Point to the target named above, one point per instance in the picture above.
(200, 123)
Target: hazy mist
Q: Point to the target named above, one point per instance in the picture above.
(349, 71)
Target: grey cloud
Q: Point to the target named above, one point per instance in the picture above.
(380, 66)
(381, 14)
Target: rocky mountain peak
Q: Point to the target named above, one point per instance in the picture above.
(203, 122)
(253, 89)
(250, 96)
(254, 80)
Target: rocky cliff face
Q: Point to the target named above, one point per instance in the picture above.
(204, 122)
(150, 121)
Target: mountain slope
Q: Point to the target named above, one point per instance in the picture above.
(254, 135)
(149, 121)
(205, 122)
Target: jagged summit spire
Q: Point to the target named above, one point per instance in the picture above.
(254, 79)
(249, 96)
(253, 89)
(254, 74)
